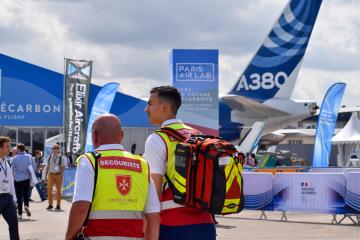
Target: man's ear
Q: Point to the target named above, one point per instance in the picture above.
(166, 107)
(122, 136)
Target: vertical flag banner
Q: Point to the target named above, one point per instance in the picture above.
(195, 74)
(326, 124)
(102, 105)
(77, 86)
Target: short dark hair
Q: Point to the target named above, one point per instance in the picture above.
(20, 147)
(37, 152)
(3, 140)
(170, 95)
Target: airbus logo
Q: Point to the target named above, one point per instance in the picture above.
(264, 81)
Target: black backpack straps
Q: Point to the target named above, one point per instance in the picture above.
(171, 184)
(173, 133)
(96, 156)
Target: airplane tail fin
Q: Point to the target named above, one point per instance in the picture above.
(273, 70)
(251, 139)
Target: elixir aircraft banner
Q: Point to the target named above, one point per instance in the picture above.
(77, 85)
(195, 74)
(102, 105)
(326, 124)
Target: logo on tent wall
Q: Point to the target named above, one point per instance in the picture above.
(305, 184)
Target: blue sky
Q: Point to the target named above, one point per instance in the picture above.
(130, 41)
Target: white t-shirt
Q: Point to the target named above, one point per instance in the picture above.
(6, 179)
(155, 150)
(83, 190)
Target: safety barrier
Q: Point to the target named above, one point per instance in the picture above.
(336, 192)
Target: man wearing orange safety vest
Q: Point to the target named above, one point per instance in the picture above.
(124, 193)
(177, 222)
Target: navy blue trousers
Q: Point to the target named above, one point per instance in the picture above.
(22, 194)
(8, 211)
(188, 232)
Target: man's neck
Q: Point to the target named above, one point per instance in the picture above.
(168, 118)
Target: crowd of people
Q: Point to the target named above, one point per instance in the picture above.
(20, 173)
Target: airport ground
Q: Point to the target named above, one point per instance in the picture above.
(45, 224)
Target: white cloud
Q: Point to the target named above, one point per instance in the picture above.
(130, 41)
(313, 84)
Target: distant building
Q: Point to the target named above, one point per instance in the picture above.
(31, 106)
(299, 138)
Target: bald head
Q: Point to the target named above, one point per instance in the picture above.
(106, 129)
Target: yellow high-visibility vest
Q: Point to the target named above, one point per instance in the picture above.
(171, 146)
(120, 195)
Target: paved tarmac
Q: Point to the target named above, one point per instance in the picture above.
(45, 224)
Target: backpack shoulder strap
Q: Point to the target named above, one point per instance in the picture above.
(48, 160)
(173, 133)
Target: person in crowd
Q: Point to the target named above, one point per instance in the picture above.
(70, 160)
(38, 161)
(20, 167)
(253, 155)
(11, 155)
(124, 193)
(249, 160)
(8, 158)
(176, 221)
(14, 151)
(54, 175)
(7, 191)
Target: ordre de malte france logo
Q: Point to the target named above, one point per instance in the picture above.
(123, 184)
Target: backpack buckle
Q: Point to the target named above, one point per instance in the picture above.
(191, 140)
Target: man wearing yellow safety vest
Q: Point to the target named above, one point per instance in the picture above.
(124, 192)
(177, 222)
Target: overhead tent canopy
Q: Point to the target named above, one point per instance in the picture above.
(348, 140)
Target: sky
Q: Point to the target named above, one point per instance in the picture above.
(130, 41)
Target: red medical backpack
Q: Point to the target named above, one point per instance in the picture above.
(207, 173)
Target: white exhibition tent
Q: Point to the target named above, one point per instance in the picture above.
(348, 140)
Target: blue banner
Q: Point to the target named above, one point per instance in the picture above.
(102, 105)
(326, 124)
(68, 182)
(29, 95)
(195, 75)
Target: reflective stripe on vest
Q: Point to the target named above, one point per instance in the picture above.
(116, 214)
(121, 191)
(170, 161)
